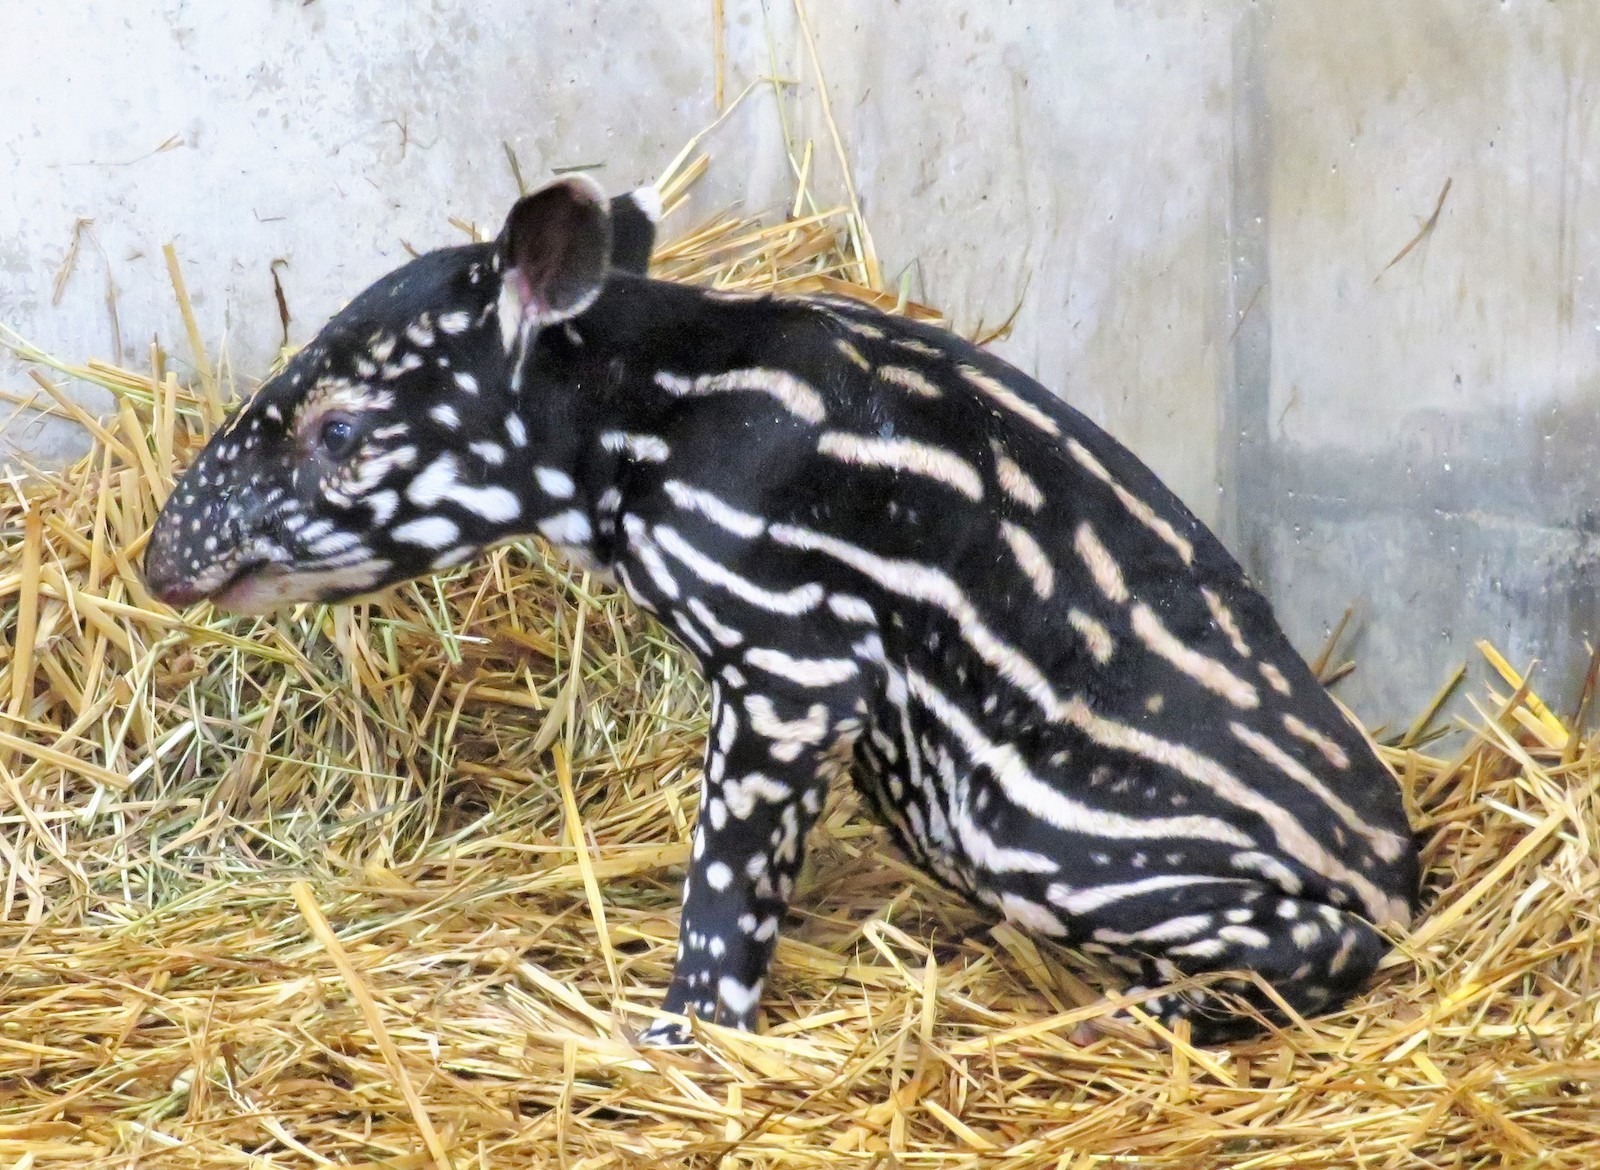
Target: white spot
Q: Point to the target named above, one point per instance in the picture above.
(764, 721)
(848, 608)
(440, 480)
(515, 431)
(445, 415)
(556, 484)
(1247, 936)
(456, 322)
(742, 794)
(491, 453)
(643, 448)
(718, 876)
(427, 531)
(736, 997)
(566, 528)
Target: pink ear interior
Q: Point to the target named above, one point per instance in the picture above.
(557, 242)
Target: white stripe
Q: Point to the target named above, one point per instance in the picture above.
(724, 634)
(794, 395)
(687, 629)
(929, 585)
(904, 455)
(923, 583)
(805, 672)
(1292, 838)
(692, 499)
(1094, 635)
(908, 379)
(1385, 844)
(334, 542)
(1015, 482)
(1140, 510)
(1030, 557)
(1331, 751)
(1035, 796)
(1171, 930)
(1086, 900)
(1223, 616)
(1009, 399)
(801, 599)
(852, 353)
(1208, 672)
(986, 853)
(1101, 564)
(918, 346)
(649, 555)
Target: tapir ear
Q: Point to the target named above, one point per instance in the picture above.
(555, 248)
(633, 229)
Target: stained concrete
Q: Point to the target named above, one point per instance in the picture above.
(1190, 207)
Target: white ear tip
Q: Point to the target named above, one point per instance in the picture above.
(582, 185)
(648, 200)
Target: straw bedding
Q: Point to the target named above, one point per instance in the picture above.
(389, 886)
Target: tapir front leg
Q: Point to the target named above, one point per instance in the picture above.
(769, 759)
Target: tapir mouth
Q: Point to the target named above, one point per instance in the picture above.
(218, 587)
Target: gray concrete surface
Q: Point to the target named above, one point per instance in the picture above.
(1193, 204)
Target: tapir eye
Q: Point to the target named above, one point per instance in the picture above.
(337, 437)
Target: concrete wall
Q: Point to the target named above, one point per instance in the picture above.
(1193, 203)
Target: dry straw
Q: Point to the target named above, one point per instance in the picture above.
(390, 885)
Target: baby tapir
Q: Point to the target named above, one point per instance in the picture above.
(891, 553)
